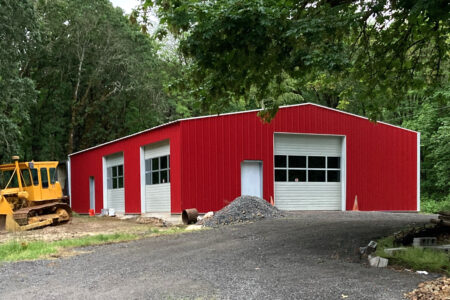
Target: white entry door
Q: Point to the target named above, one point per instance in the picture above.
(251, 178)
(92, 192)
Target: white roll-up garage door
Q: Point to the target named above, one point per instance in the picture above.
(115, 182)
(308, 172)
(157, 177)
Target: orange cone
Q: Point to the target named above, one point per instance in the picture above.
(355, 204)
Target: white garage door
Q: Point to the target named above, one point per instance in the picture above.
(157, 177)
(307, 172)
(115, 197)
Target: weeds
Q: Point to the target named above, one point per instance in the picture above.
(415, 258)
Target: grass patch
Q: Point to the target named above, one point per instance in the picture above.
(21, 250)
(95, 240)
(415, 258)
(15, 250)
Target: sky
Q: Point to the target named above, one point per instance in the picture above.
(126, 5)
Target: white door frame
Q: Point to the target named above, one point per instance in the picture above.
(343, 163)
(260, 163)
(142, 172)
(105, 179)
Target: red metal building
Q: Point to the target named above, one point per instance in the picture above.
(309, 157)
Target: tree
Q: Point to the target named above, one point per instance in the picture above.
(244, 48)
(97, 74)
(17, 37)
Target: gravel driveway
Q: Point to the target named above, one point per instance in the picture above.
(307, 255)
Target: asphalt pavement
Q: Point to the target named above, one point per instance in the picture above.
(306, 255)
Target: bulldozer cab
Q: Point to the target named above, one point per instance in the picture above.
(38, 179)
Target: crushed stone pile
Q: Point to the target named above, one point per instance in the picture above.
(243, 209)
(438, 289)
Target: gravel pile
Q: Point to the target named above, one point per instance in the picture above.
(243, 209)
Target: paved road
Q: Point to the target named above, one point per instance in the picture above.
(303, 256)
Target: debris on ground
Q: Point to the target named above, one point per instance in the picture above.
(126, 217)
(243, 209)
(194, 227)
(206, 216)
(367, 250)
(443, 219)
(152, 221)
(422, 272)
(438, 289)
(406, 237)
(424, 241)
(377, 261)
(392, 251)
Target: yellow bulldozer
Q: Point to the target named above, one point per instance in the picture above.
(31, 196)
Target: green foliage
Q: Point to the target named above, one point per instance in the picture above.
(431, 117)
(415, 258)
(98, 77)
(17, 94)
(433, 206)
(368, 53)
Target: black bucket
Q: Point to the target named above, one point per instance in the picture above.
(189, 216)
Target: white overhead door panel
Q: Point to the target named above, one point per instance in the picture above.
(308, 171)
(297, 144)
(115, 182)
(157, 177)
(308, 196)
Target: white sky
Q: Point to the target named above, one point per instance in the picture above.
(126, 5)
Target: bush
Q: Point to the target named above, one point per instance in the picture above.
(432, 206)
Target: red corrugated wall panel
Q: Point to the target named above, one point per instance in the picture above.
(381, 159)
(206, 156)
(89, 163)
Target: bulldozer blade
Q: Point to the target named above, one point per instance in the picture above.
(8, 223)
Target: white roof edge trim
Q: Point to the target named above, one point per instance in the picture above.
(293, 105)
(347, 113)
(124, 137)
(235, 113)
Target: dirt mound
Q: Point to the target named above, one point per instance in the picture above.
(243, 209)
(437, 289)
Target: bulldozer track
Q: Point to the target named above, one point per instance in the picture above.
(21, 216)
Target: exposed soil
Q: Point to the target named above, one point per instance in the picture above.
(83, 226)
